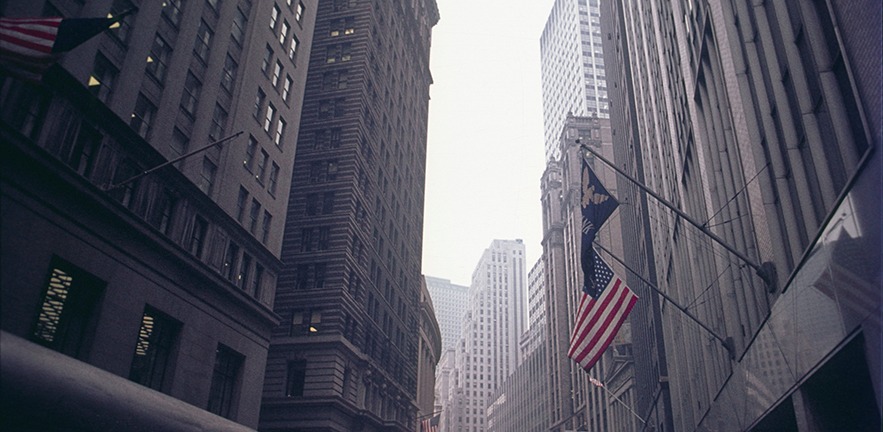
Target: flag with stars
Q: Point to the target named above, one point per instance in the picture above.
(597, 205)
(600, 315)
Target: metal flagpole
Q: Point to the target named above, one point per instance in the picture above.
(597, 383)
(167, 163)
(762, 272)
(726, 342)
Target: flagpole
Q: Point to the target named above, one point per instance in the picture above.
(726, 342)
(167, 163)
(763, 273)
(597, 383)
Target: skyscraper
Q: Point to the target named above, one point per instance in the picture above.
(770, 139)
(572, 66)
(166, 279)
(450, 302)
(488, 351)
(345, 356)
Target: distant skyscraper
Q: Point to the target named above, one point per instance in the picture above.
(572, 66)
(450, 302)
(349, 291)
(535, 334)
(488, 351)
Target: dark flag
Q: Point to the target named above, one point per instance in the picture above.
(597, 205)
(600, 316)
(28, 46)
(430, 424)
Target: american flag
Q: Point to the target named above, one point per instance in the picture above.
(600, 315)
(430, 424)
(28, 46)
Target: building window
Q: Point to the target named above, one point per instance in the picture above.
(219, 120)
(324, 241)
(297, 374)
(302, 276)
(274, 179)
(225, 381)
(207, 175)
(274, 17)
(338, 53)
(158, 59)
(230, 260)
(190, 95)
(66, 321)
(250, 150)
(268, 58)
(241, 200)
(242, 278)
(179, 141)
(142, 115)
(172, 11)
(262, 167)
(253, 216)
(277, 73)
(283, 32)
(299, 11)
(268, 220)
(286, 88)
(306, 322)
(306, 239)
(258, 103)
(257, 280)
(292, 47)
(280, 131)
(203, 41)
(154, 350)
(268, 120)
(215, 4)
(239, 22)
(197, 236)
(121, 33)
(229, 76)
(161, 209)
(104, 73)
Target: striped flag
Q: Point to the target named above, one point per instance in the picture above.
(28, 46)
(430, 424)
(600, 316)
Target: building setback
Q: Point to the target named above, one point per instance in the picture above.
(167, 280)
(345, 357)
(763, 122)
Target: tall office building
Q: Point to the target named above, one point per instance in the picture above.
(765, 128)
(450, 302)
(488, 351)
(345, 356)
(166, 279)
(572, 67)
(535, 334)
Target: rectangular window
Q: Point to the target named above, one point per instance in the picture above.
(268, 58)
(241, 200)
(239, 22)
(197, 236)
(286, 88)
(190, 95)
(319, 282)
(299, 11)
(274, 17)
(179, 141)
(258, 103)
(229, 76)
(122, 32)
(277, 74)
(283, 32)
(297, 373)
(250, 150)
(292, 47)
(257, 281)
(104, 73)
(274, 179)
(172, 11)
(324, 238)
(225, 380)
(65, 322)
(268, 220)
(207, 175)
(155, 350)
(158, 59)
(242, 279)
(262, 167)
(306, 322)
(306, 239)
(280, 131)
(253, 216)
(203, 41)
(142, 115)
(302, 276)
(268, 120)
(219, 120)
(230, 260)
(161, 208)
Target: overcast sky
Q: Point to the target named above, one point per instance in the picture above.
(485, 148)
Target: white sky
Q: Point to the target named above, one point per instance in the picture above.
(485, 148)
